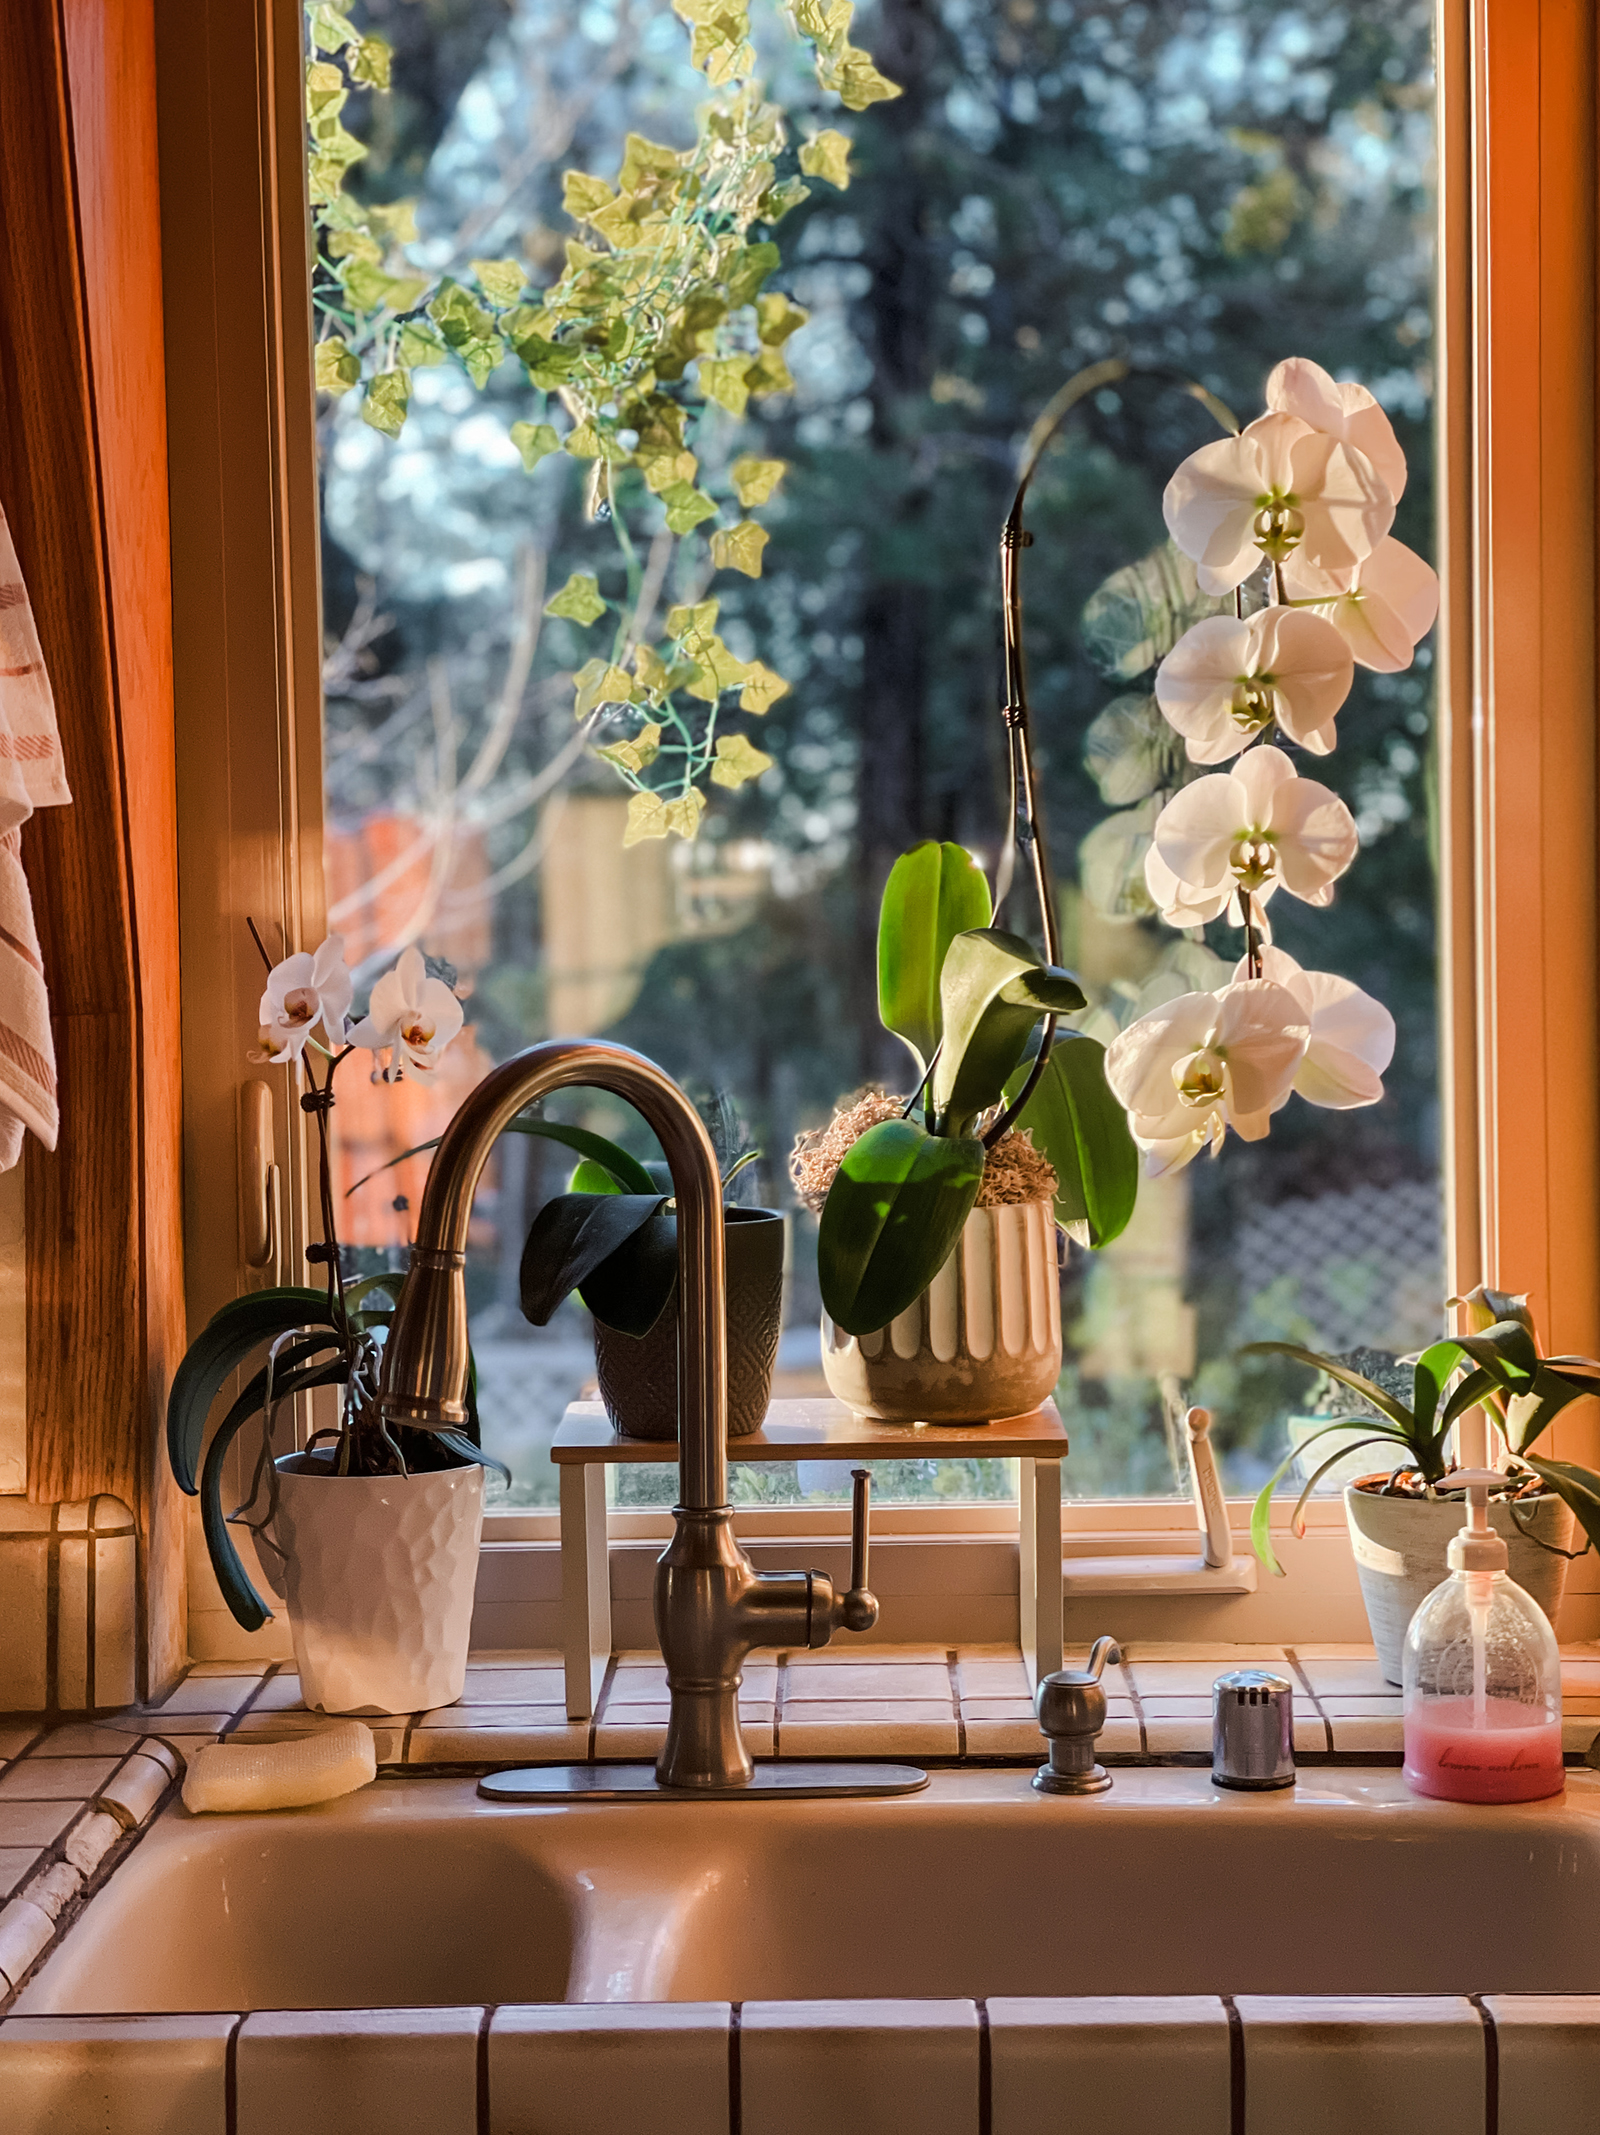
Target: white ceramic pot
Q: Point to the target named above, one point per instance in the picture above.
(379, 1581)
(1399, 1545)
(982, 1342)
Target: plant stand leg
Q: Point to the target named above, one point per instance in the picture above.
(585, 1586)
(1039, 1570)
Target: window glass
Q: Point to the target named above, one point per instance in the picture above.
(1209, 185)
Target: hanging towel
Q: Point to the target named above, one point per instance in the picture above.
(32, 775)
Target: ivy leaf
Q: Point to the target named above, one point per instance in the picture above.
(501, 280)
(716, 671)
(738, 548)
(535, 441)
(338, 368)
(776, 320)
(329, 31)
(589, 442)
(770, 374)
(859, 83)
(385, 402)
(647, 818)
(420, 345)
(683, 815)
(828, 157)
(583, 197)
(668, 470)
(483, 357)
(373, 290)
(370, 61)
(459, 316)
(755, 480)
(737, 760)
(696, 621)
(779, 199)
(762, 689)
(399, 219)
(597, 682)
(635, 755)
(579, 600)
(686, 506)
(722, 379)
(747, 271)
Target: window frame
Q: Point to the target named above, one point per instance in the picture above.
(1520, 1038)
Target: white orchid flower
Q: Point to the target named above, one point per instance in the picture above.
(1181, 906)
(1256, 828)
(1383, 607)
(301, 992)
(1226, 680)
(1279, 488)
(1196, 1066)
(412, 1017)
(1352, 1035)
(1348, 412)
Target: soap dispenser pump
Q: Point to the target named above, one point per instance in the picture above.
(1482, 1675)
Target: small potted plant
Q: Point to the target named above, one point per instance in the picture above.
(375, 1531)
(1402, 1518)
(936, 1241)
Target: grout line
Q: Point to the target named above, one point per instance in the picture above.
(482, 2068)
(1491, 2065)
(985, 2072)
(1236, 2093)
(600, 1704)
(1138, 1707)
(1293, 1659)
(235, 1717)
(780, 1688)
(230, 2079)
(955, 1700)
(405, 1738)
(91, 1617)
(52, 1613)
(735, 2070)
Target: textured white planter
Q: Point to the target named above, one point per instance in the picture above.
(982, 1342)
(1399, 1545)
(379, 1583)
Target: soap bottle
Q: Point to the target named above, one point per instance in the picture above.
(1482, 1676)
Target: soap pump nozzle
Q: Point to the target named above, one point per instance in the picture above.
(1476, 1547)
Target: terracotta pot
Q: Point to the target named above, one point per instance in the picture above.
(1399, 1545)
(379, 1581)
(639, 1375)
(982, 1342)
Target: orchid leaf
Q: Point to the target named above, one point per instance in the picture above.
(892, 1216)
(232, 1335)
(934, 892)
(632, 1286)
(992, 991)
(1077, 1123)
(1386, 1405)
(245, 1605)
(628, 1172)
(1261, 1511)
(1578, 1487)
(570, 1238)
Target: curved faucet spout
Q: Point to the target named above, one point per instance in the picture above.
(426, 1357)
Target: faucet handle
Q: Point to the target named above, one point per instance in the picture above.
(858, 1609)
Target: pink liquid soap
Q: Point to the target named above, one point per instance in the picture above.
(1514, 1758)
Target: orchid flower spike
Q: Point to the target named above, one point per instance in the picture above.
(412, 1017)
(1204, 1062)
(1279, 488)
(1225, 681)
(1383, 607)
(1352, 1035)
(301, 992)
(1249, 831)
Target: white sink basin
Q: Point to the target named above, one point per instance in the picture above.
(416, 1892)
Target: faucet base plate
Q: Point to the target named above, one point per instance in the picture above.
(638, 1782)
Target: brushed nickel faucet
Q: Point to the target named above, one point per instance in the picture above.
(711, 1606)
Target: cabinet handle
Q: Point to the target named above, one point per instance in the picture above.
(259, 1200)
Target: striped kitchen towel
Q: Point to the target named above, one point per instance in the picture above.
(32, 775)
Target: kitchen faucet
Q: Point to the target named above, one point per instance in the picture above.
(711, 1606)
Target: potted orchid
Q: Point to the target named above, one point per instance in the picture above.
(373, 1530)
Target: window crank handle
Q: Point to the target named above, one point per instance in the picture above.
(858, 1609)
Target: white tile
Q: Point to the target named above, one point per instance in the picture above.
(858, 2068)
(18, 1517)
(359, 2072)
(1549, 2054)
(72, 1622)
(25, 1929)
(233, 1668)
(611, 2069)
(34, 1823)
(1177, 1732)
(992, 1675)
(514, 1686)
(1395, 2065)
(906, 1729)
(1129, 2065)
(83, 1738)
(135, 1790)
(1354, 1732)
(878, 1652)
(116, 1617)
(567, 1744)
(55, 1778)
(211, 1693)
(14, 1740)
(281, 1693)
(91, 1839)
(109, 2075)
(23, 1583)
(1197, 1678)
(876, 1680)
(1345, 1677)
(16, 1865)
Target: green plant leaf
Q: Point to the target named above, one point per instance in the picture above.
(934, 892)
(1078, 1124)
(588, 1177)
(628, 1172)
(1386, 1405)
(893, 1213)
(386, 400)
(570, 1237)
(232, 1334)
(1261, 1511)
(631, 1287)
(993, 990)
(1578, 1487)
(827, 155)
(579, 600)
(535, 442)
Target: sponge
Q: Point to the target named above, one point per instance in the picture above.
(228, 1776)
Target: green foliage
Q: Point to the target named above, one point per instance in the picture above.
(659, 311)
(934, 893)
(1079, 1125)
(993, 991)
(572, 1238)
(892, 1217)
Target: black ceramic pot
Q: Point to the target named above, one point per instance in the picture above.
(639, 1376)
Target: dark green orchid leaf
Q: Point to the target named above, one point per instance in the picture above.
(1386, 1405)
(994, 990)
(1578, 1487)
(892, 1216)
(632, 1286)
(1077, 1123)
(934, 892)
(630, 1175)
(570, 1238)
(232, 1335)
(471, 1454)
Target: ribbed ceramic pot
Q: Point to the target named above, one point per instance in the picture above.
(638, 1375)
(379, 1581)
(982, 1342)
(1399, 1545)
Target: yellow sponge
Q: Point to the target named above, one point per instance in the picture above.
(228, 1776)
